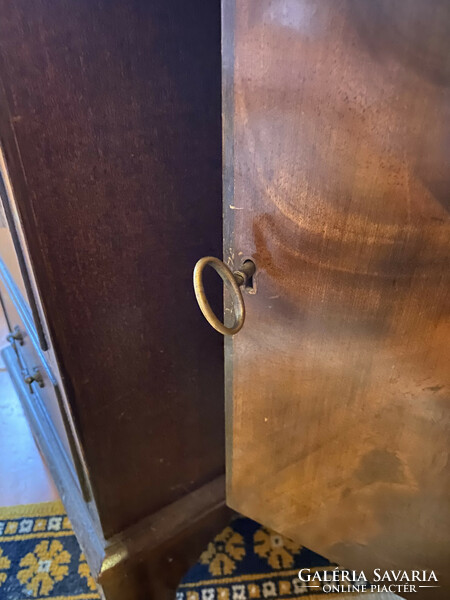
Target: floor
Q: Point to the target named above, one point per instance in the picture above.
(24, 479)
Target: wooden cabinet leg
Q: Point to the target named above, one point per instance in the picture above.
(149, 564)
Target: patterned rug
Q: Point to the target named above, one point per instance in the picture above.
(40, 558)
(247, 561)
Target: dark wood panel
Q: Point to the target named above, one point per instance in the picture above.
(338, 397)
(115, 109)
(149, 561)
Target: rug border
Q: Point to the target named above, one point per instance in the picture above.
(40, 509)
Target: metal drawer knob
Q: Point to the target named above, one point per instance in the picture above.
(233, 281)
(15, 336)
(34, 377)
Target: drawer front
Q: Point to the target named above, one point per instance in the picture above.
(13, 253)
(44, 387)
(26, 344)
(20, 303)
(81, 512)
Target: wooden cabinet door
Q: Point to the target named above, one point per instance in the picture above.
(337, 169)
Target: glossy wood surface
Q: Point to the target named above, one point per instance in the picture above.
(337, 178)
(110, 124)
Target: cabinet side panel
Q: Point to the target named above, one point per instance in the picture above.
(113, 141)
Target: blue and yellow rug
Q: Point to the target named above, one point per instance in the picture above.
(247, 561)
(40, 558)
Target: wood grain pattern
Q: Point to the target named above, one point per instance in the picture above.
(337, 142)
(111, 127)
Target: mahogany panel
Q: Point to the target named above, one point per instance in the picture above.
(113, 142)
(337, 175)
